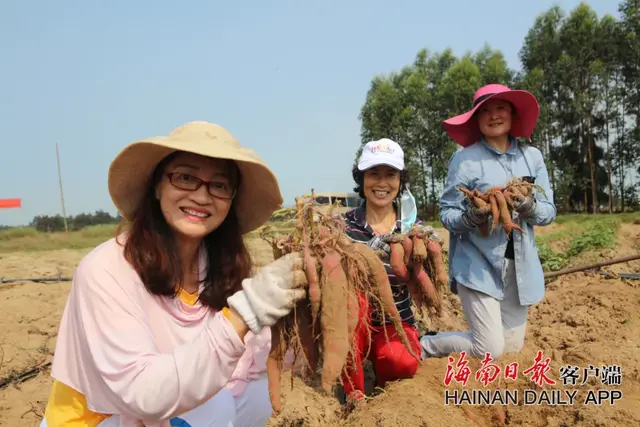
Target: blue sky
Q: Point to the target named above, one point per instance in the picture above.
(283, 76)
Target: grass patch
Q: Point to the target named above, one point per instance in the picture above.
(586, 218)
(27, 239)
(551, 260)
(18, 233)
(596, 234)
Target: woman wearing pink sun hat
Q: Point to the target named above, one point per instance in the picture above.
(464, 128)
(497, 277)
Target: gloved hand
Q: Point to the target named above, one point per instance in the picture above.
(524, 201)
(380, 246)
(271, 293)
(474, 217)
(427, 230)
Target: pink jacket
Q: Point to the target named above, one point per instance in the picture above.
(145, 357)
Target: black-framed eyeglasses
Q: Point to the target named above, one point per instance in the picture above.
(184, 181)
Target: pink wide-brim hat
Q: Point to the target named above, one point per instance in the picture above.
(464, 128)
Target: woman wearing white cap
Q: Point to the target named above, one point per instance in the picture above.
(382, 181)
(164, 325)
(497, 277)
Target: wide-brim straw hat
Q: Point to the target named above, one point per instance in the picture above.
(464, 128)
(258, 195)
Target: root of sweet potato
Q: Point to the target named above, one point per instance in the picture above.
(339, 273)
(436, 263)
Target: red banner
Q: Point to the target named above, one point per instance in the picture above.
(10, 203)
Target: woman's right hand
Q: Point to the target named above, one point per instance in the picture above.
(474, 217)
(271, 293)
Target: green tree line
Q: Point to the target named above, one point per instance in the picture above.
(55, 223)
(585, 72)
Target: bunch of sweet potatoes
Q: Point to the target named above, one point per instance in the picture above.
(417, 260)
(498, 202)
(321, 327)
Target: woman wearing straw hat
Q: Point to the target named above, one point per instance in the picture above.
(497, 278)
(389, 207)
(164, 325)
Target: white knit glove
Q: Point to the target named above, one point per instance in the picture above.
(271, 293)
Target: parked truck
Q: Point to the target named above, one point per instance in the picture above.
(347, 201)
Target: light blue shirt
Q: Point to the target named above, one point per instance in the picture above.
(476, 261)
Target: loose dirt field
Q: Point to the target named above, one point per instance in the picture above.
(584, 319)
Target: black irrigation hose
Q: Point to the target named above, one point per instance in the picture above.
(23, 376)
(36, 279)
(591, 266)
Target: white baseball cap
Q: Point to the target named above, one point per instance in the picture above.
(381, 152)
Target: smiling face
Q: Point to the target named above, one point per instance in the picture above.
(381, 185)
(195, 213)
(494, 118)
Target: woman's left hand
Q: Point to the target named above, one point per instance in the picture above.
(271, 293)
(380, 245)
(520, 192)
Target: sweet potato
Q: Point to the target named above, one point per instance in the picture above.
(315, 295)
(478, 199)
(415, 291)
(396, 261)
(470, 194)
(335, 332)
(274, 365)
(407, 246)
(495, 211)
(505, 215)
(509, 197)
(481, 204)
(480, 196)
(431, 298)
(419, 249)
(306, 328)
(434, 252)
(273, 378)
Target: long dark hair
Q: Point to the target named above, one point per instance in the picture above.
(151, 249)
